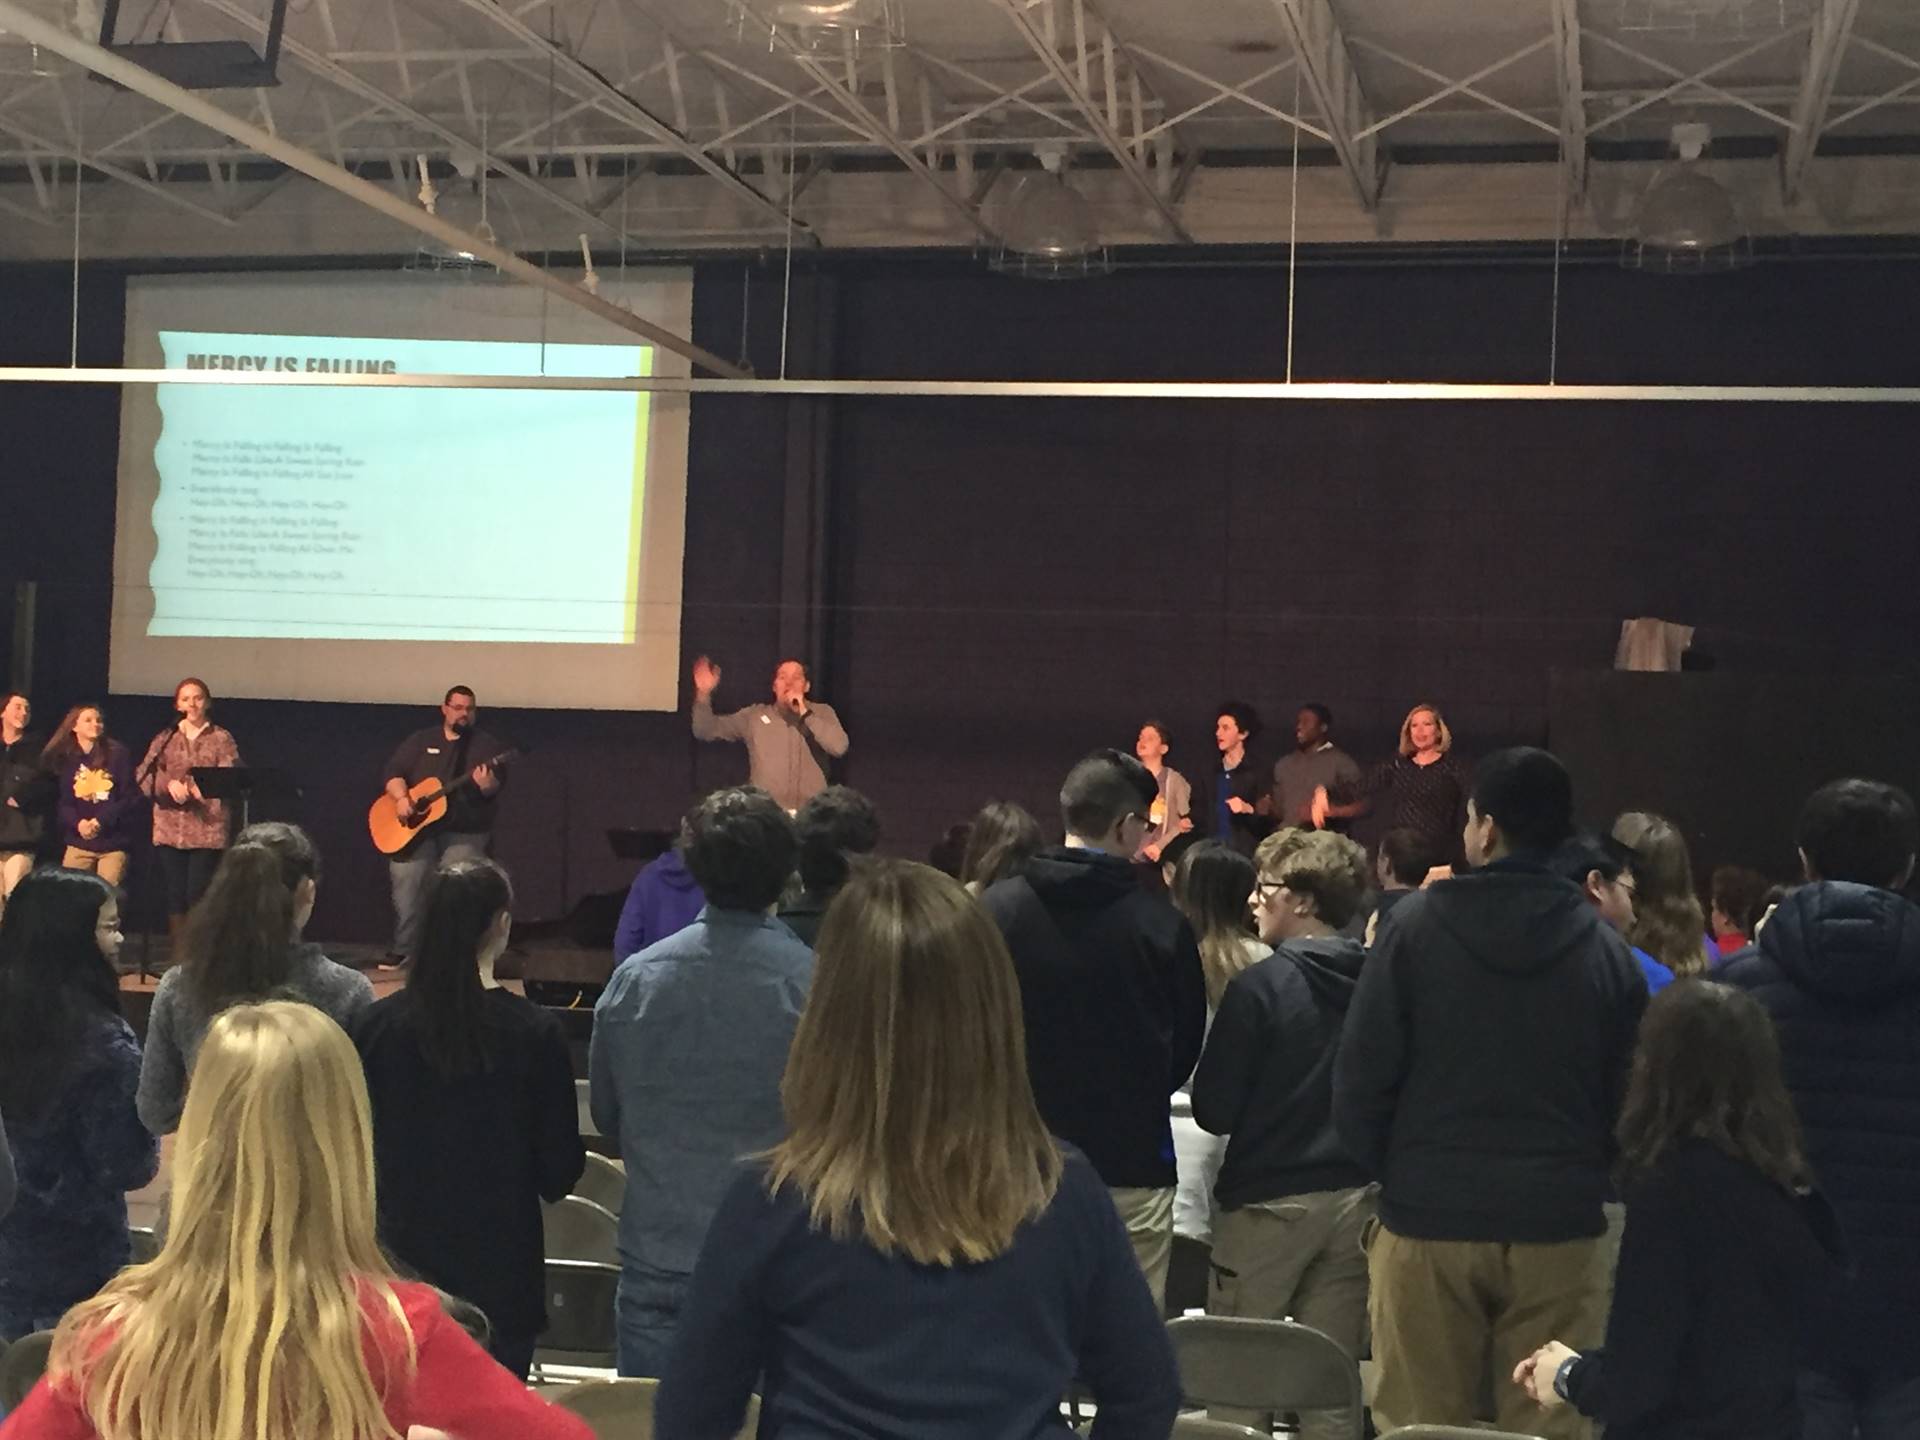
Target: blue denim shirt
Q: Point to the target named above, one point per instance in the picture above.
(690, 1038)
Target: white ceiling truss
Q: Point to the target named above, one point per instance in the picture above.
(690, 124)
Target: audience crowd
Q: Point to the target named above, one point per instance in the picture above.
(1509, 1109)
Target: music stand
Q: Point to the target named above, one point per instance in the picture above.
(233, 782)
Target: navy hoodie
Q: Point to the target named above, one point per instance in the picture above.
(1266, 1076)
(1838, 968)
(1115, 1006)
(1485, 1058)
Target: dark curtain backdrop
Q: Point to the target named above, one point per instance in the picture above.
(989, 588)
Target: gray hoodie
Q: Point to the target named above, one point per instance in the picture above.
(179, 1021)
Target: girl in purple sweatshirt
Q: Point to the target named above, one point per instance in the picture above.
(97, 803)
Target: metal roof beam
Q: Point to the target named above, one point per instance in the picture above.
(1832, 27)
(1329, 74)
(1098, 119)
(1682, 81)
(105, 167)
(1573, 94)
(315, 63)
(142, 81)
(873, 126)
(617, 102)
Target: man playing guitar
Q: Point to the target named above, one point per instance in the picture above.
(446, 752)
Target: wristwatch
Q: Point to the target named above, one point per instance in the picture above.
(1561, 1376)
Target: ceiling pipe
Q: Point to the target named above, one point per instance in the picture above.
(137, 78)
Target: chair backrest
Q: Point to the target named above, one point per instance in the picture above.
(578, 1229)
(1263, 1365)
(616, 1409)
(1194, 1427)
(1453, 1432)
(604, 1182)
(23, 1364)
(580, 1306)
(468, 1316)
(580, 1093)
(623, 1409)
(146, 1243)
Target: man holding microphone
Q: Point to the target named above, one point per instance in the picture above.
(788, 742)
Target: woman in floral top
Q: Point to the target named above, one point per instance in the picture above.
(189, 830)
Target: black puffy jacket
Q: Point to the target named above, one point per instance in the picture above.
(1838, 968)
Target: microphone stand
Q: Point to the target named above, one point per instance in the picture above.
(143, 782)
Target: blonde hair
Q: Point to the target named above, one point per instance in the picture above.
(1327, 868)
(911, 1124)
(1668, 921)
(1443, 744)
(248, 1325)
(1211, 887)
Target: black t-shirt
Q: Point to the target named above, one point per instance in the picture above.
(428, 754)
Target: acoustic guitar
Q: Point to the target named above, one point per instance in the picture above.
(391, 834)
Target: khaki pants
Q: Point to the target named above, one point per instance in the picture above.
(109, 865)
(1148, 1216)
(1450, 1315)
(1297, 1259)
(14, 865)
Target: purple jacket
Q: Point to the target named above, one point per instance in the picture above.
(663, 901)
(99, 787)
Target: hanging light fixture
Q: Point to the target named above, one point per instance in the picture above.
(841, 27)
(1687, 223)
(1047, 226)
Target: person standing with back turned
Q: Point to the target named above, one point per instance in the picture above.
(788, 742)
(1479, 1076)
(1112, 995)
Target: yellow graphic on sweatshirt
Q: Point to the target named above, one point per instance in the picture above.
(91, 784)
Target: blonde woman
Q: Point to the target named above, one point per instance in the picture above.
(1427, 781)
(270, 1312)
(918, 1258)
(1668, 921)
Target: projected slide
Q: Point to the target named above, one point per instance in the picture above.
(341, 514)
(374, 543)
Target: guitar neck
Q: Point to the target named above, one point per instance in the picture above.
(454, 787)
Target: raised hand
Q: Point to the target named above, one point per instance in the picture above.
(706, 677)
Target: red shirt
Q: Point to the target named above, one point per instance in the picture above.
(456, 1386)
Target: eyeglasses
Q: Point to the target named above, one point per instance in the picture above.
(1265, 890)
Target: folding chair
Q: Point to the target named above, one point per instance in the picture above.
(1264, 1365)
(604, 1182)
(578, 1229)
(580, 1325)
(23, 1364)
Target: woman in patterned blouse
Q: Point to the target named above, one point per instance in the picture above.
(189, 830)
(1427, 781)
